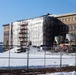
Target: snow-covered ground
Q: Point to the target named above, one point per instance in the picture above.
(37, 58)
(60, 73)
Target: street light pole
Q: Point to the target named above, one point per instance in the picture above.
(28, 51)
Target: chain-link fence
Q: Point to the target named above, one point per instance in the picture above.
(35, 57)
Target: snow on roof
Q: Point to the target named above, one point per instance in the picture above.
(60, 15)
(53, 15)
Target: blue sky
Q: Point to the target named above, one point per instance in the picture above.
(12, 10)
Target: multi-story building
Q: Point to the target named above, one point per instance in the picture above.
(37, 31)
(19, 36)
(40, 31)
(6, 35)
(67, 24)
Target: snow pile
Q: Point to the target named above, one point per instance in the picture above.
(32, 50)
(14, 50)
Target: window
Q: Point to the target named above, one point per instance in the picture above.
(68, 19)
(73, 18)
(65, 19)
(70, 28)
(73, 27)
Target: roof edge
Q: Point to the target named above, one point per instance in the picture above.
(63, 15)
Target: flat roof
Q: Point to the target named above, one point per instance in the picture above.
(51, 15)
(64, 15)
(6, 25)
(48, 14)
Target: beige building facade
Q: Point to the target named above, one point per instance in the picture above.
(6, 35)
(67, 23)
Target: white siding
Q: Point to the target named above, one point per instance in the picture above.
(16, 29)
(35, 27)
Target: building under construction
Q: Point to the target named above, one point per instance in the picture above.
(39, 31)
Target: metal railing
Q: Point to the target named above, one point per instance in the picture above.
(37, 58)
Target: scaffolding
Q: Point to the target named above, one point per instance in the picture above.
(23, 36)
